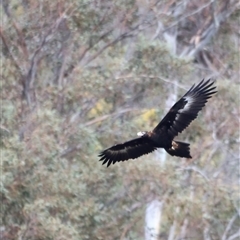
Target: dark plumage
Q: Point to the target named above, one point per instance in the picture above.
(177, 119)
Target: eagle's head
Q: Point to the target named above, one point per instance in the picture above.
(140, 134)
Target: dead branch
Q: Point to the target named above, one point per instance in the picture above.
(102, 118)
(30, 76)
(15, 63)
(229, 226)
(209, 27)
(234, 236)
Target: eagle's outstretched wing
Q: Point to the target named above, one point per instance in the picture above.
(128, 150)
(186, 109)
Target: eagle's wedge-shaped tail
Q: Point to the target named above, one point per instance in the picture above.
(179, 149)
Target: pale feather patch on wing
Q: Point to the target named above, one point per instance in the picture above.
(186, 109)
(189, 101)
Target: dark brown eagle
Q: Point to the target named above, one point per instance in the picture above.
(177, 119)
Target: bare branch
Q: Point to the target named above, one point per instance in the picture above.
(174, 82)
(208, 29)
(100, 119)
(228, 228)
(116, 40)
(69, 151)
(16, 64)
(188, 15)
(234, 236)
(30, 76)
(195, 169)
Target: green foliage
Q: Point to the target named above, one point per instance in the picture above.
(79, 76)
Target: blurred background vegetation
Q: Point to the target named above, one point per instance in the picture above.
(79, 76)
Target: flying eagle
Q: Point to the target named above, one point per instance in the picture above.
(177, 119)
